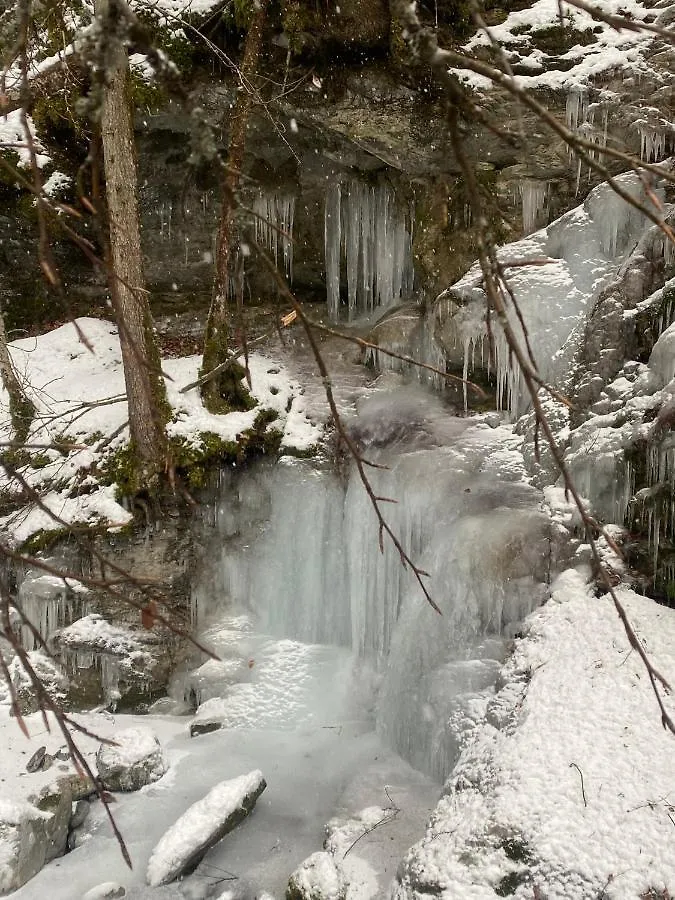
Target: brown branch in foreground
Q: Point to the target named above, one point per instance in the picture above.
(360, 462)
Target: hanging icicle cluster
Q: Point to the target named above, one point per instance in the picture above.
(274, 226)
(533, 195)
(369, 232)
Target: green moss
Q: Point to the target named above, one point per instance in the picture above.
(121, 469)
(300, 20)
(43, 540)
(308, 453)
(226, 392)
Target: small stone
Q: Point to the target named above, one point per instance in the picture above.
(34, 764)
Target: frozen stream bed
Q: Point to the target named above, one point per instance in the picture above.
(321, 758)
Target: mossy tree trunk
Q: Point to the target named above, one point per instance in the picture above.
(224, 392)
(146, 391)
(21, 408)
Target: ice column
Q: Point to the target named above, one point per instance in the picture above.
(332, 238)
(576, 108)
(533, 195)
(274, 226)
(368, 239)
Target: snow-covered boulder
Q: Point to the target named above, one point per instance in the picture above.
(23, 843)
(109, 890)
(317, 878)
(203, 825)
(136, 759)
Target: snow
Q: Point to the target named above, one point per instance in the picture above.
(79, 396)
(94, 632)
(610, 49)
(198, 825)
(318, 876)
(583, 700)
(13, 137)
(132, 746)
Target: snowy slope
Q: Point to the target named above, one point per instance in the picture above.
(565, 791)
(79, 395)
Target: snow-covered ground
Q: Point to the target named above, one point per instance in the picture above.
(80, 400)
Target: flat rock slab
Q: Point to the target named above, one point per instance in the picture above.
(203, 825)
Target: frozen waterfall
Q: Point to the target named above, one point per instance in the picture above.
(297, 549)
(368, 246)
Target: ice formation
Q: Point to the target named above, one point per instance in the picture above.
(48, 604)
(275, 212)
(576, 108)
(308, 566)
(654, 142)
(583, 249)
(368, 231)
(533, 195)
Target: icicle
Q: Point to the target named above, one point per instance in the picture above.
(533, 195)
(369, 229)
(332, 243)
(576, 108)
(48, 605)
(653, 142)
(274, 226)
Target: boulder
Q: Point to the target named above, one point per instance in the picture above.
(317, 878)
(208, 820)
(108, 890)
(23, 843)
(136, 759)
(57, 801)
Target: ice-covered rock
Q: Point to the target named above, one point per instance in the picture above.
(23, 843)
(317, 878)
(57, 801)
(136, 759)
(203, 825)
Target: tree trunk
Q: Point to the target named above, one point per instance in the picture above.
(21, 409)
(146, 392)
(226, 391)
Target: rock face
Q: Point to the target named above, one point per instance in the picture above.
(135, 760)
(203, 825)
(317, 878)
